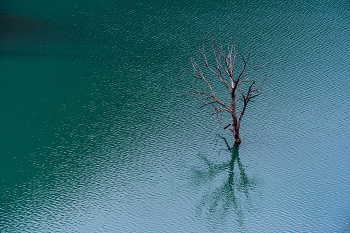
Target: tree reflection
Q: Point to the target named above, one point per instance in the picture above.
(234, 191)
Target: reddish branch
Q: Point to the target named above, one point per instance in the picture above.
(238, 82)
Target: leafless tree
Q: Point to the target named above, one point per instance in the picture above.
(239, 82)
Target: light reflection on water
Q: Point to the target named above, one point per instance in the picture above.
(98, 139)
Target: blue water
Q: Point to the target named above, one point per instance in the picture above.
(97, 138)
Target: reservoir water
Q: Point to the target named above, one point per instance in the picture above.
(95, 136)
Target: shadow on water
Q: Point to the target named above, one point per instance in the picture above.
(230, 189)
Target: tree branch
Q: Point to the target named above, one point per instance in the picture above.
(222, 62)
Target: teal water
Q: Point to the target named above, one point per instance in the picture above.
(96, 138)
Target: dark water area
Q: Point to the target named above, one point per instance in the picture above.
(96, 138)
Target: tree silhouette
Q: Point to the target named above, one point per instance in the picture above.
(240, 84)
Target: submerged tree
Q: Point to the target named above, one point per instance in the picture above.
(239, 82)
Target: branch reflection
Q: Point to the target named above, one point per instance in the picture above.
(233, 190)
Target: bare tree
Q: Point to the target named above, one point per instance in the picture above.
(239, 82)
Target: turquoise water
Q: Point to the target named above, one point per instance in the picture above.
(96, 138)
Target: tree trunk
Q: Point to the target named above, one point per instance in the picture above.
(234, 118)
(236, 135)
(235, 130)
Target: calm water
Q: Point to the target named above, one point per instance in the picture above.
(95, 138)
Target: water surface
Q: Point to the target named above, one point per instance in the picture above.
(96, 138)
